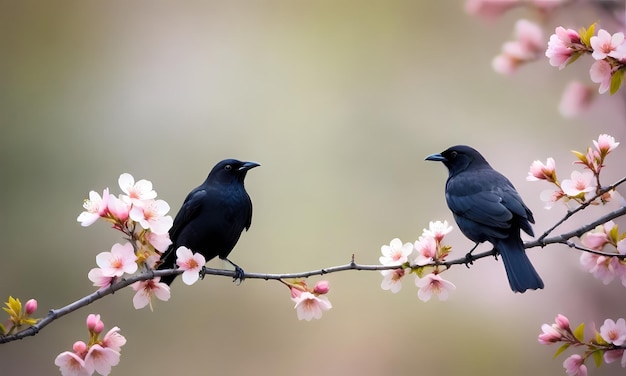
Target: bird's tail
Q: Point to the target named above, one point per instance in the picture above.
(521, 273)
(168, 261)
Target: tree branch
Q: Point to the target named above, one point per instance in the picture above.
(542, 241)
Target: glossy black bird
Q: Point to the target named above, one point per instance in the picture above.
(213, 216)
(486, 207)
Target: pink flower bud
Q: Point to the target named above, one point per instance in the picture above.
(321, 288)
(31, 306)
(295, 292)
(80, 348)
(94, 324)
(562, 321)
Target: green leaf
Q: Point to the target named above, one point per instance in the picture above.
(582, 157)
(560, 350)
(614, 234)
(616, 81)
(3, 330)
(579, 332)
(586, 34)
(597, 357)
(574, 57)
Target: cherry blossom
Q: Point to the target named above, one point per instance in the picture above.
(433, 284)
(560, 49)
(136, 191)
(550, 335)
(604, 44)
(392, 279)
(600, 73)
(160, 242)
(540, 171)
(308, 306)
(120, 260)
(191, 263)
(575, 365)
(113, 339)
(96, 276)
(581, 184)
(119, 207)
(605, 144)
(426, 247)
(95, 207)
(437, 230)
(321, 288)
(151, 215)
(146, 289)
(489, 9)
(614, 332)
(101, 359)
(71, 364)
(395, 253)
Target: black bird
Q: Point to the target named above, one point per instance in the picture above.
(213, 216)
(486, 207)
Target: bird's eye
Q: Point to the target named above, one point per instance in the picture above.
(453, 154)
(228, 167)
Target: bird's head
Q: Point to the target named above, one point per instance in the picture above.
(231, 170)
(458, 158)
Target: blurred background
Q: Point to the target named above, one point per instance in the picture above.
(340, 101)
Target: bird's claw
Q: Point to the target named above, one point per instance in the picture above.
(202, 272)
(240, 275)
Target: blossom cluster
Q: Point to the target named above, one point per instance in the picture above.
(18, 315)
(422, 257)
(603, 267)
(608, 344)
(582, 186)
(310, 303)
(144, 221)
(97, 355)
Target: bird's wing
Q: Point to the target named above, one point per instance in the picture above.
(189, 210)
(484, 207)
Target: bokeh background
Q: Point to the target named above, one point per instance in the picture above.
(340, 101)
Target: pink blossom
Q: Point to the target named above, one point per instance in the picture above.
(540, 171)
(605, 44)
(30, 307)
(395, 253)
(601, 267)
(309, 306)
(426, 248)
(560, 49)
(151, 215)
(595, 240)
(160, 242)
(120, 260)
(489, 9)
(392, 279)
(99, 279)
(101, 359)
(94, 324)
(437, 230)
(119, 208)
(71, 364)
(612, 355)
(576, 99)
(433, 284)
(621, 247)
(113, 339)
(139, 191)
(191, 263)
(321, 288)
(505, 64)
(614, 332)
(550, 335)
(581, 184)
(562, 322)
(575, 365)
(95, 207)
(530, 36)
(605, 144)
(600, 73)
(550, 196)
(147, 289)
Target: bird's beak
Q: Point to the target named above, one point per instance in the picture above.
(248, 165)
(436, 157)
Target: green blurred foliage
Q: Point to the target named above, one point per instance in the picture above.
(340, 101)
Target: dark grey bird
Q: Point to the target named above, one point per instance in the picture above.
(213, 216)
(486, 207)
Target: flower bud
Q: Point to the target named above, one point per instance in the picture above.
(562, 322)
(321, 288)
(31, 306)
(80, 348)
(94, 324)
